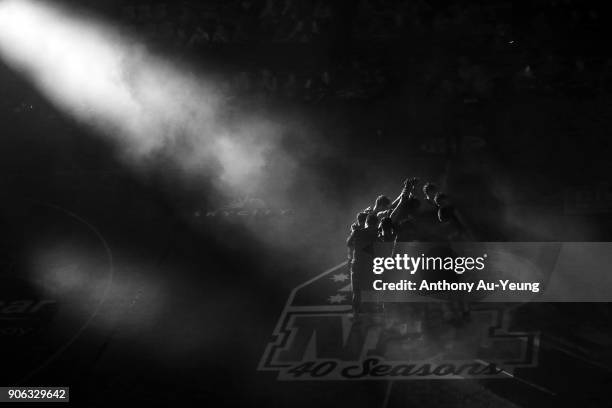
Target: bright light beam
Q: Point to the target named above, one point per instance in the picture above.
(149, 106)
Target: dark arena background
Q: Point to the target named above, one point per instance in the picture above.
(178, 181)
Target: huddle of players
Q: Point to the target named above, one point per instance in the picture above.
(401, 220)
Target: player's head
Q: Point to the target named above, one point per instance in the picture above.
(382, 203)
(371, 221)
(361, 218)
(446, 213)
(430, 190)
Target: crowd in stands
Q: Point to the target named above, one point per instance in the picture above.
(510, 53)
(197, 24)
(462, 52)
(354, 82)
(194, 23)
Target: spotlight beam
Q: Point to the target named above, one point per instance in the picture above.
(148, 106)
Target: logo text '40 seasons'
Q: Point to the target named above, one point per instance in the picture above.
(315, 340)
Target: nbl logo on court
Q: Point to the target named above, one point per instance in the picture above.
(318, 338)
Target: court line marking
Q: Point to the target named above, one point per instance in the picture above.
(98, 307)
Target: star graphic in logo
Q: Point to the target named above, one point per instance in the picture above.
(337, 298)
(340, 277)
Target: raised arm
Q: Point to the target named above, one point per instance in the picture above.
(407, 190)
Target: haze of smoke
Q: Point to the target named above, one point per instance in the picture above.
(148, 106)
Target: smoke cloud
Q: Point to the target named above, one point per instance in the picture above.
(150, 107)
